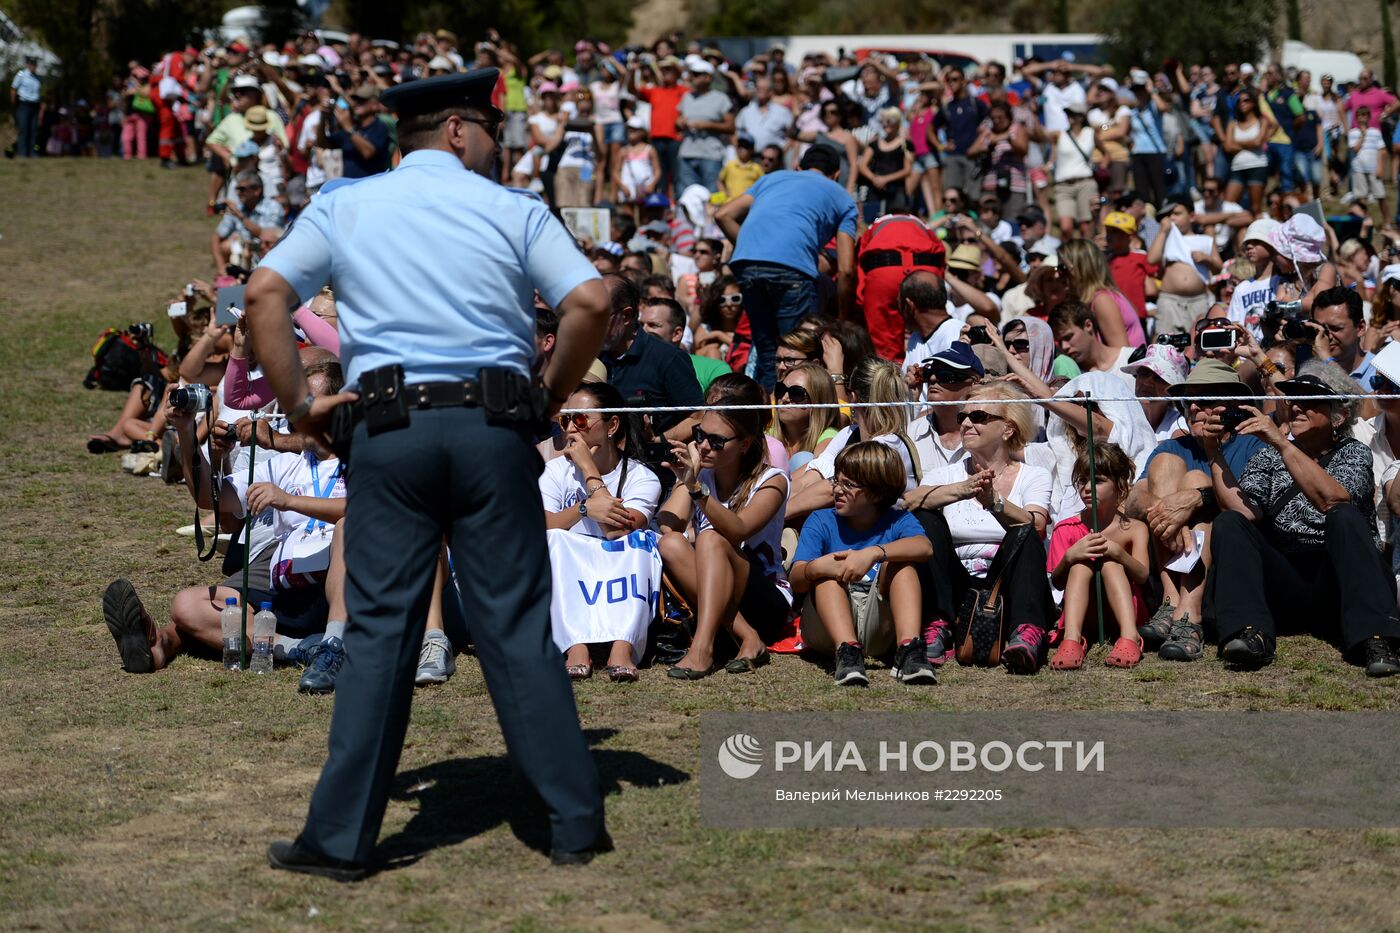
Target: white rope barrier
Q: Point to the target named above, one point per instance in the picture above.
(914, 403)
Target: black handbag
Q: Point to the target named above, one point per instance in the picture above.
(980, 629)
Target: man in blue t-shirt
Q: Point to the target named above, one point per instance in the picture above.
(779, 228)
(359, 134)
(1175, 498)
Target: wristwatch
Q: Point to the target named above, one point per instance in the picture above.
(998, 504)
(700, 493)
(302, 410)
(583, 509)
(838, 379)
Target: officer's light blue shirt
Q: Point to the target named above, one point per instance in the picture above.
(793, 216)
(26, 86)
(433, 267)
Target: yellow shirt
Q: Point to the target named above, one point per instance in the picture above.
(737, 177)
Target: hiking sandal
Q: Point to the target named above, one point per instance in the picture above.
(1186, 642)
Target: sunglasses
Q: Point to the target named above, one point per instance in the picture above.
(977, 417)
(716, 441)
(1020, 345)
(579, 421)
(1383, 385)
(732, 299)
(491, 126)
(798, 394)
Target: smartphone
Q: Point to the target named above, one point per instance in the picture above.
(1216, 338)
(177, 309)
(230, 300)
(658, 452)
(341, 104)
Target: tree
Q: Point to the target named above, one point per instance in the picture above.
(1213, 31)
(1295, 20)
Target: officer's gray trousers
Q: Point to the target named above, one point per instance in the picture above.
(448, 473)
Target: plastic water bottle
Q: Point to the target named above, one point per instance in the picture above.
(231, 622)
(264, 631)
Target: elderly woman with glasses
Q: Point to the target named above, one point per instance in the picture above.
(969, 509)
(1295, 543)
(598, 491)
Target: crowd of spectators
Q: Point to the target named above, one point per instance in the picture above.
(949, 260)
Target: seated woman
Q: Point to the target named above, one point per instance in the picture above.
(860, 561)
(724, 332)
(967, 513)
(1295, 541)
(599, 491)
(1119, 549)
(805, 432)
(875, 380)
(721, 543)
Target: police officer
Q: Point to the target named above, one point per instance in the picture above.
(434, 268)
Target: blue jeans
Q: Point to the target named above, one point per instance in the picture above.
(697, 172)
(1281, 161)
(775, 299)
(666, 150)
(1307, 168)
(27, 122)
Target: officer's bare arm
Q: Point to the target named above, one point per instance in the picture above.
(270, 302)
(583, 322)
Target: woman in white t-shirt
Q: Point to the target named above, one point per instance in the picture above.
(722, 538)
(971, 508)
(597, 491)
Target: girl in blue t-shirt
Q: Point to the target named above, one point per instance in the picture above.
(859, 561)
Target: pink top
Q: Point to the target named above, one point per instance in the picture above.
(1066, 535)
(1375, 97)
(777, 453)
(918, 131)
(1131, 324)
(239, 392)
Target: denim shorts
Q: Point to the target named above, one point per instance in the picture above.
(925, 162)
(615, 133)
(1251, 176)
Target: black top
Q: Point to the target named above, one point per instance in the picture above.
(1291, 522)
(653, 372)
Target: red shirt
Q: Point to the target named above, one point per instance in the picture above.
(665, 107)
(1130, 273)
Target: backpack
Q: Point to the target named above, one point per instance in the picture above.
(118, 358)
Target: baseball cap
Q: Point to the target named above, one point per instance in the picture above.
(1391, 273)
(441, 63)
(246, 82)
(959, 356)
(245, 149)
(670, 61)
(699, 66)
(1246, 69)
(659, 227)
(549, 87)
(1137, 77)
(1119, 220)
(636, 122)
(744, 139)
(1166, 362)
(553, 72)
(656, 199)
(1030, 217)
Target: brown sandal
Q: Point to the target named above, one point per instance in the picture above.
(579, 671)
(622, 674)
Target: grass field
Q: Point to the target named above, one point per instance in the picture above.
(133, 802)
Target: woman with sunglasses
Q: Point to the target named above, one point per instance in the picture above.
(724, 328)
(722, 531)
(597, 491)
(971, 507)
(805, 432)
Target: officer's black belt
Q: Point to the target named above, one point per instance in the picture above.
(463, 393)
(873, 259)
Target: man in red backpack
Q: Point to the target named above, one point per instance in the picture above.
(892, 247)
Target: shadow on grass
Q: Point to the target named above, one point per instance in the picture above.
(465, 797)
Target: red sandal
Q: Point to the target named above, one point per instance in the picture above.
(1126, 653)
(1070, 655)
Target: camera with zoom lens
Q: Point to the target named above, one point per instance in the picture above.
(142, 333)
(1181, 341)
(1288, 318)
(1234, 416)
(191, 399)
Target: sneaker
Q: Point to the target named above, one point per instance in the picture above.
(850, 666)
(1022, 653)
(1380, 658)
(301, 654)
(938, 642)
(911, 664)
(1158, 628)
(1186, 642)
(1348, 198)
(325, 665)
(1251, 648)
(435, 661)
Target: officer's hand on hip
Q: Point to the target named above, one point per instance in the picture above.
(316, 424)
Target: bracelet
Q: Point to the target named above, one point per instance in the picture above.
(838, 379)
(1269, 367)
(302, 410)
(884, 555)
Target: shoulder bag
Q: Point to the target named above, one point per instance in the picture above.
(980, 630)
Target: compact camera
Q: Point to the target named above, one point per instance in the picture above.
(191, 399)
(1180, 341)
(1212, 339)
(142, 333)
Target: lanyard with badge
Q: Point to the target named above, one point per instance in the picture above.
(314, 525)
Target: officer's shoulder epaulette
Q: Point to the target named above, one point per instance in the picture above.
(525, 193)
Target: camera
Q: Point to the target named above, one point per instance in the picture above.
(978, 334)
(1296, 329)
(1180, 341)
(1233, 417)
(657, 453)
(1212, 339)
(141, 333)
(191, 399)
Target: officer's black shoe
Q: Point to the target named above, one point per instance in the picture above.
(1251, 648)
(1381, 660)
(582, 856)
(293, 856)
